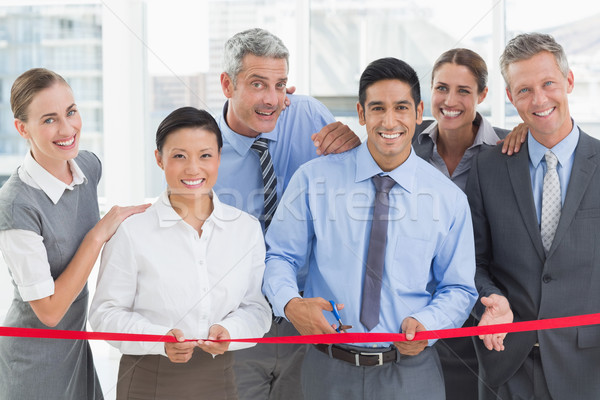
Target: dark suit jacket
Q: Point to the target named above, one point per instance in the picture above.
(511, 262)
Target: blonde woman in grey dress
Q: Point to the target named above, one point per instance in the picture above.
(50, 237)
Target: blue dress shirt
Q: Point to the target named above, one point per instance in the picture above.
(564, 151)
(240, 181)
(325, 217)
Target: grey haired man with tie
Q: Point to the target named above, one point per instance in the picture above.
(266, 137)
(536, 219)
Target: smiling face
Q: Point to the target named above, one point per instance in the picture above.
(256, 100)
(190, 159)
(390, 116)
(53, 127)
(454, 97)
(539, 90)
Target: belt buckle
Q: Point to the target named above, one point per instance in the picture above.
(357, 357)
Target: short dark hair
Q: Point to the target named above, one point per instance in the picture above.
(467, 58)
(389, 68)
(187, 117)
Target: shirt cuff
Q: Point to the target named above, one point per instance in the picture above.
(235, 333)
(426, 319)
(280, 300)
(159, 330)
(38, 291)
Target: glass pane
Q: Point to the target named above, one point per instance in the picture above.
(575, 27)
(64, 38)
(346, 35)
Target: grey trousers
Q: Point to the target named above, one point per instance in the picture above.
(270, 371)
(418, 377)
(154, 377)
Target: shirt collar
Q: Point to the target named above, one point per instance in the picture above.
(485, 133)
(430, 131)
(366, 167)
(240, 143)
(167, 216)
(48, 183)
(563, 149)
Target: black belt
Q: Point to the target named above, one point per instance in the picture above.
(358, 358)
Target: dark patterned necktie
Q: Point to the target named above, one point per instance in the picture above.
(261, 146)
(371, 296)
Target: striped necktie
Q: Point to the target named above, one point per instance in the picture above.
(261, 147)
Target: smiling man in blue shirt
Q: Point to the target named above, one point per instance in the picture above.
(254, 81)
(325, 219)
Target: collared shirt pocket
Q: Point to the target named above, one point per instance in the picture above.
(411, 266)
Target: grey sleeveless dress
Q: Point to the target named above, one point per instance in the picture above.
(48, 368)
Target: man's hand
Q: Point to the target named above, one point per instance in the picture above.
(307, 315)
(516, 137)
(410, 347)
(335, 138)
(286, 101)
(180, 352)
(497, 311)
(216, 332)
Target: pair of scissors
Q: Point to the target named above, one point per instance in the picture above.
(336, 314)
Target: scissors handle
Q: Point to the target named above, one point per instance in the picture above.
(336, 314)
(335, 311)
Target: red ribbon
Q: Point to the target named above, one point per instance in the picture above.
(551, 323)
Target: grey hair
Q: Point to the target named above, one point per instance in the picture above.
(256, 41)
(527, 45)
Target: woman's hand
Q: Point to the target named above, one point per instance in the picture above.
(108, 225)
(216, 332)
(513, 141)
(182, 351)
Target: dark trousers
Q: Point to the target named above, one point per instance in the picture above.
(270, 371)
(460, 366)
(528, 383)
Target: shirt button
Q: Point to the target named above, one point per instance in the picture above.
(546, 278)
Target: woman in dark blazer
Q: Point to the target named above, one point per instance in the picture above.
(450, 143)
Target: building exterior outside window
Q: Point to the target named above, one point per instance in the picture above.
(63, 38)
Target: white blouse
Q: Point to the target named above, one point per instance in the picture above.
(157, 273)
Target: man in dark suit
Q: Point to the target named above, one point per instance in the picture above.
(536, 218)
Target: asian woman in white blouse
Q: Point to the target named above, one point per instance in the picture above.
(190, 267)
